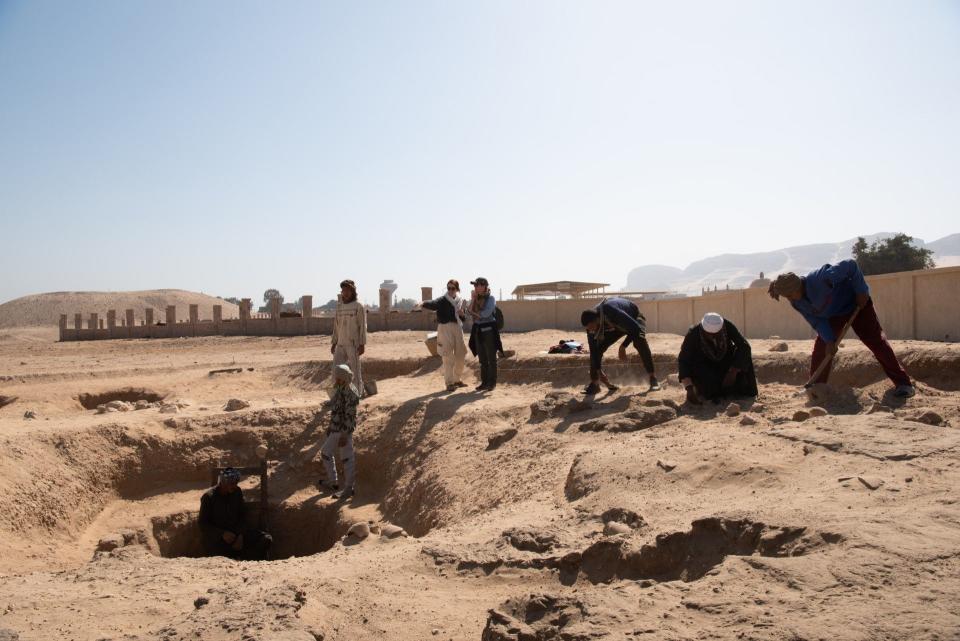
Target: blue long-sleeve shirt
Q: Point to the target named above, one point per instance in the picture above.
(488, 311)
(830, 291)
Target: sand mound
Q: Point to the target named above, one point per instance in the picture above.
(45, 309)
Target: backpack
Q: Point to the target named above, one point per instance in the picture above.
(497, 314)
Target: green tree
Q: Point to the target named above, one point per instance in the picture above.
(270, 294)
(896, 254)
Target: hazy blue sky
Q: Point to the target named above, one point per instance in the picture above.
(233, 146)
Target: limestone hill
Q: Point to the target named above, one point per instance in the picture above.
(45, 309)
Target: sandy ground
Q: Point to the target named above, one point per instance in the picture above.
(531, 513)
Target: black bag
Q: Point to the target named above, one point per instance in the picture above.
(499, 316)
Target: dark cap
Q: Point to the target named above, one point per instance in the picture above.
(348, 283)
(480, 281)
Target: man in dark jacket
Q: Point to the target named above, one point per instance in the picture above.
(607, 323)
(715, 361)
(223, 522)
(827, 298)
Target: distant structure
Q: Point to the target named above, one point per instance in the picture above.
(390, 286)
(760, 282)
(558, 289)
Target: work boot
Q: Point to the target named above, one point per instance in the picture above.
(904, 391)
(654, 384)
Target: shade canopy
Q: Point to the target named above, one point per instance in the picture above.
(573, 288)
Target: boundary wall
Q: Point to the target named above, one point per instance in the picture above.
(922, 305)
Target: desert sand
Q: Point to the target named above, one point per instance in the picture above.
(528, 514)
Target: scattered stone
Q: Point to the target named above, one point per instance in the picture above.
(359, 530)
(630, 421)
(501, 437)
(110, 542)
(141, 405)
(261, 451)
(119, 406)
(169, 408)
(622, 515)
(733, 409)
(808, 449)
(929, 417)
(818, 411)
(556, 404)
(7, 400)
(613, 528)
(879, 407)
(801, 415)
(29, 415)
(871, 482)
(758, 407)
(748, 420)
(779, 347)
(392, 531)
(530, 539)
(172, 423)
(666, 466)
(200, 601)
(909, 479)
(235, 404)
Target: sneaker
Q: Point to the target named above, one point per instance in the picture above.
(451, 388)
(592, 388)
(460, 384)
(482, 387)
(613, 388)
(904, 391)
(654, 384)
(345, 494)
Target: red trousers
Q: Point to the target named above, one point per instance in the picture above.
(867, 327)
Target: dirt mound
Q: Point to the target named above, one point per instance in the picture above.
(45, 309)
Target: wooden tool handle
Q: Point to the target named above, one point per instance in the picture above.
(829, 358)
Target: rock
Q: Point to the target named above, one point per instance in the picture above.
(392, 531)
(808, 449)
(530, 539)
(169, 408)
(801, 415)
(733, 409)
(871, 482)
(235, 404)
(666, 466)
(359, 530)
(7, 400)
(200, 601)
(928, 417)
(110, 542)
(622, 515)
(141, 405)
(556, 404)
(630, 421)
(261, 451)
(758, 407)
(119, 406)
(172, 423)
(29, 415)
(501, 437)
(879, 407)
(748, 420)
(779, 347)
(6, 634)
(818, 411)
(613, 528)
(375, 528)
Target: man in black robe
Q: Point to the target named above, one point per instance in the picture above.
(715, 361)
(223, 522)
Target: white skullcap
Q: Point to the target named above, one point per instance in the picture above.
(343, 373)
(712, 322)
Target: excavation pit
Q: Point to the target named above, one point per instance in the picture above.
(92, 400)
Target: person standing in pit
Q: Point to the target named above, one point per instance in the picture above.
(343, 422)
(450, 315)
(350, 332)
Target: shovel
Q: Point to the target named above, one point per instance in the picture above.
(829, 359)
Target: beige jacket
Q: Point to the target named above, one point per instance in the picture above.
(350, 324)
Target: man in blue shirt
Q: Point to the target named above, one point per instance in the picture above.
(827, 298)
(607, 323)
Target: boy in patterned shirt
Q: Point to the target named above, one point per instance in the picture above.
(343, 421)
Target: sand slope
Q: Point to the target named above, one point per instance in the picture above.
(45, 309)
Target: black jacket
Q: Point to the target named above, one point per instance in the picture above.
(444, 309)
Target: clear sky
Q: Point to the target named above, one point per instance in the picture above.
(228, 147)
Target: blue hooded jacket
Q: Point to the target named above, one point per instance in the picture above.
(830, 291)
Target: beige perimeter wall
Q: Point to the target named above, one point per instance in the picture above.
(911, 305)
